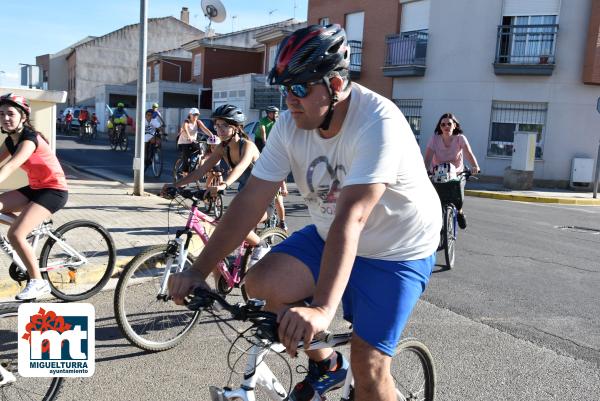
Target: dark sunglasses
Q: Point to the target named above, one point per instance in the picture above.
(298, 90)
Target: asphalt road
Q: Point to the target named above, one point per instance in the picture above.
(516, 319)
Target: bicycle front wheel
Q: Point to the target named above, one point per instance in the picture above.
(413, 372)
(124, 142)
(16, 386)
(449, 233)
(147, 319)
(81, 262)
(157, 164)
(218, 205)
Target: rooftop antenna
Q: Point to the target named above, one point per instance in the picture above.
(271, 13)
(214, 11)
(233, 17)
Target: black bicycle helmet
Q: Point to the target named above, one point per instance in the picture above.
(230, 113)
(309, 54)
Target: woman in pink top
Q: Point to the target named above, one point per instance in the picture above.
(27, 149)
(449, 145)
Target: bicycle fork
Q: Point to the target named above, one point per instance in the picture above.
(256, 373)
(177, 248)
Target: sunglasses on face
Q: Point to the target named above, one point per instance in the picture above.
(445, 124)
(299, 90)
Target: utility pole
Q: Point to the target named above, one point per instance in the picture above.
(138, 160)
(597, 173)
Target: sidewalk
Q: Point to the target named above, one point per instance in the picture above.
(540, 195)
(134, 222)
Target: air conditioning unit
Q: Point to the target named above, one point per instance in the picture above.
(582, 173)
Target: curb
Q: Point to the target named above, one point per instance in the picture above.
(533, 199)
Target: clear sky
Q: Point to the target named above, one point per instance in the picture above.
(29, 28)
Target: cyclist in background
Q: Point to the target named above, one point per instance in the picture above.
(449, 145)
(68, 121)
(187, 142)
(239, 153)
(156, 114)
(46, 193)
(264, 127)
(375, 213)
(94, 120)
(84, 116)
(150, 131)
(119, 116)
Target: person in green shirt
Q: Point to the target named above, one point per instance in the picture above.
(264, 127)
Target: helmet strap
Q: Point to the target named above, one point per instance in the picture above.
(334, 99)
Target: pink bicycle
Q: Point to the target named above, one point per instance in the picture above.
(143, 309)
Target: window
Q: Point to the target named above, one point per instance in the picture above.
(528, 39)
(508, 117)
(197, 62)
(411, 108)
(148, 76)
(324, 21)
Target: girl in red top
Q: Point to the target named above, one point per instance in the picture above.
(46, 193)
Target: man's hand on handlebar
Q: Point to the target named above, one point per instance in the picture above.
(182, 284)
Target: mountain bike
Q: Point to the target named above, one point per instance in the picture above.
(77, 258)
(143, 309)
(452, 200)
(119, 138)
(412, 366)
(154, 157)
(12, 385)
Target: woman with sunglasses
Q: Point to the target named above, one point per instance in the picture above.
(449, 145)
(239, 152)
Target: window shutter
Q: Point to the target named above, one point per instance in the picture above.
(530, 7)
(415, 16)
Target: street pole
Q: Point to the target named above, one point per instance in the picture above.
(597, 173)
(138, 164)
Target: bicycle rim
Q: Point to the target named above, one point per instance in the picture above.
(148, 322)
(24, 388)
(73, 280)
(413, 372)
(450, 237)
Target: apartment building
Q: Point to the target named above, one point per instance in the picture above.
(501, 66)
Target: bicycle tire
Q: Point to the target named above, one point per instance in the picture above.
(113, 138)
(404, 367)
(30, 388)
(147, 328)
(157, 164)
(94, 242)
(178, 170)
(449, 234)
(218, 205)
(124, 142)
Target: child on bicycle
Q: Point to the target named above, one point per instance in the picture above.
(150, 134)
(46, 193)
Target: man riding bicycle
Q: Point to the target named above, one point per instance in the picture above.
(119, 116)
(375, 213)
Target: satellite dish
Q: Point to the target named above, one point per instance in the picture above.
(213, 10)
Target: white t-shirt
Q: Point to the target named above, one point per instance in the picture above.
(150, 129)
(374, 145)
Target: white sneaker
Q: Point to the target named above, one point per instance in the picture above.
(34, 289)
(257, 254)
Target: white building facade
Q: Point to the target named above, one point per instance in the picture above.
(503, 66)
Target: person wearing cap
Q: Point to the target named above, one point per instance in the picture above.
(188, 136)
(375, 215)
(46, 192)
(264, 126)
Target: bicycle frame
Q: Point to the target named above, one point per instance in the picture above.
(43, 230)
(195, 218)
(258, 373)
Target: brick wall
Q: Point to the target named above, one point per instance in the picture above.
(591, 66)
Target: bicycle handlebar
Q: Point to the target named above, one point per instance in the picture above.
(265, 322)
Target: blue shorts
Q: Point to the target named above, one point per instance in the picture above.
(380, 295)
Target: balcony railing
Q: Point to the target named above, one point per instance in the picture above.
(526, 49)
(355, 58)
(406, 54)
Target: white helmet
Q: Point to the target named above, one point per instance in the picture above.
(193, 111)
(213, 140)
(444, 172)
